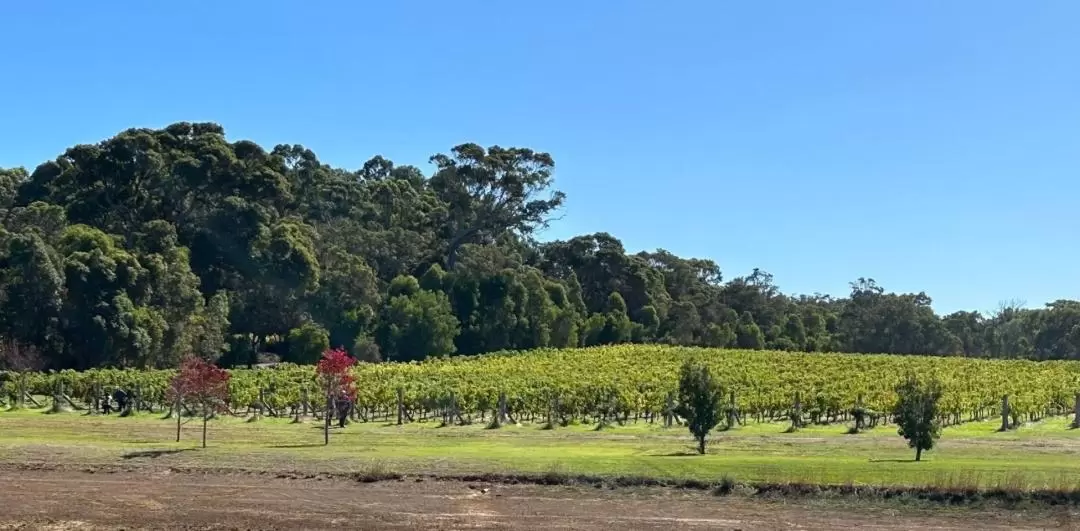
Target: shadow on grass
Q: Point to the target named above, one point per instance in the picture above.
(61, 411)
(152, 454)
(912, 460)
(300, 445)
(680, 454)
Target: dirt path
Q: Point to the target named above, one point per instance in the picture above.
(167, 500)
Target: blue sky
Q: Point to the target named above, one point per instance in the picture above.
(929, 145)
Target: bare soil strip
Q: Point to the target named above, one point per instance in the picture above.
(161, 499)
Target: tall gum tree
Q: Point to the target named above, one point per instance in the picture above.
(492, 191)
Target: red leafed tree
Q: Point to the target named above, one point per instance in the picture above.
(333, 377)
(200, 384)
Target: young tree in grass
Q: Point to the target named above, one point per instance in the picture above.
(201, 384)
(916, 412)
(700, 400)
(334, 379)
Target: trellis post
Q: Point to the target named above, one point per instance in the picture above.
(796, 414)
(400, 405)
(1005, 413)
(1076, 411)
(502, 407)
(669, 411)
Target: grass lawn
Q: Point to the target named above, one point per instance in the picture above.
(1041, 455)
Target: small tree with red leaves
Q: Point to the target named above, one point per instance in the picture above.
(202, 384)
(333, 377)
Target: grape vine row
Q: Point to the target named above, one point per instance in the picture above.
(623, 382)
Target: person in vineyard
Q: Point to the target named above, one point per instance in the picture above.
(106, 403)
(122, 398)
(343, 406)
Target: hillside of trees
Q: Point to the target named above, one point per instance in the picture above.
(155, 244)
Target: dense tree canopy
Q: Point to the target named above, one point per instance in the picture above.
(156, 244)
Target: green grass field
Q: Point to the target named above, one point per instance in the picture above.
(1041, 455)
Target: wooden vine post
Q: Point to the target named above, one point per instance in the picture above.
(859, 414)
(669, 410)
(450, 411)
(1076, 411)
(500, 412)
(796, 413)
(329, 411)
(1005, 413)
(400, 405)
(553, 410)
(260, 404)
(22, 390)
(732, 416)
(58, 397)
(177, 404)
(96, 406)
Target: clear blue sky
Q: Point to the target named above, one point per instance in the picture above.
(930, 145)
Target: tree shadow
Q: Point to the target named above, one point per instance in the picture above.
(679, 454)
(912, 460)
(153, 454)
(302, 445)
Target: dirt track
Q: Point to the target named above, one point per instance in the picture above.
(167, 500)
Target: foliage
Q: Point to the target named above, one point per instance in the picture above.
(748, 334)
(700, 400)
(307, 343)
(637, 379)
(210, 327)
(491, 191)
(916, 412)
(158, 243)
(203, 384)
(366, 349)
(416, 325)
(332, 373)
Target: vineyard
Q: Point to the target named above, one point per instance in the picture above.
(615, 384)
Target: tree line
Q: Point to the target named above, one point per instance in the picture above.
(156, 244)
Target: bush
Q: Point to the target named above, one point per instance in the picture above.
(700, 400)
(916, 413)
(307, 344)
(366, 349)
